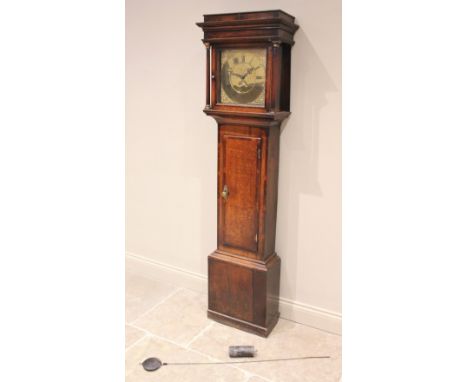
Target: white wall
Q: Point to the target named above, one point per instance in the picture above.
(171, 145)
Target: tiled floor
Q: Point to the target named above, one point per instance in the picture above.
(170, 323)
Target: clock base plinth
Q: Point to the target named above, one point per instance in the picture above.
(243, 293)
(243, 325)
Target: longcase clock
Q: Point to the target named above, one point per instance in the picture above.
(248, 64)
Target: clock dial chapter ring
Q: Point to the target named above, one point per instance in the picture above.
(243, 76)
(237, 87)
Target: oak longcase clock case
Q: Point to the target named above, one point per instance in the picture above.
(248, 64)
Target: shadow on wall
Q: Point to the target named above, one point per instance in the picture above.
(299, 153)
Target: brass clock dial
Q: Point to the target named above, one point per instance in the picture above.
(243, 77)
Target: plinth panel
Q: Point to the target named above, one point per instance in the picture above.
(231, 289)
(243, 294)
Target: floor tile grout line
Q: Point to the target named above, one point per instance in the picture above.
(197, 336)
(136, 342)
(141, 329)
(312, 327)
(150, 334)
(156, 305)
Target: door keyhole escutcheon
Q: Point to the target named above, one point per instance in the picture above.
(225, 192)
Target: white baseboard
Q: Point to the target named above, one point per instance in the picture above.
(166, 273)
(289, 309)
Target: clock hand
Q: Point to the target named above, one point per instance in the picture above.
(249, 71)
(236, 74)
